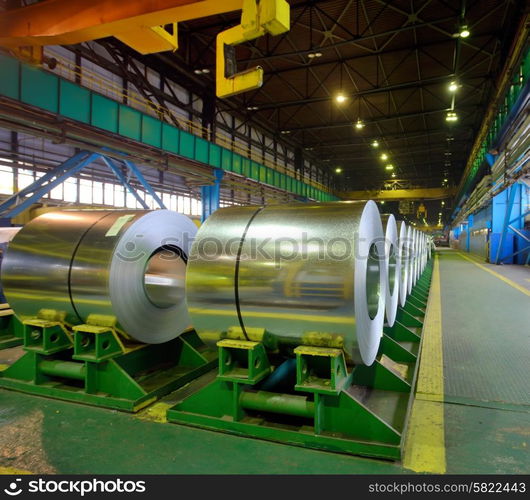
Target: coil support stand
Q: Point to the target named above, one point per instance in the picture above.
(93, 364)
(11, 329)
(328, 405)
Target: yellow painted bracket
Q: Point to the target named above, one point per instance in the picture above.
(150, 40)
(269, 16)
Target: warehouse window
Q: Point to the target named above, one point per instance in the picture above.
(130, 200)
(187, 205)
(85, 191)
(149, 200)
(97, 193)
(25, 178)
(109, 194)
(119, 196)
(57, 193)
(6, 180)
(70, 189)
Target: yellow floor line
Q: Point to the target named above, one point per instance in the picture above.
(154, 413)
(497, 275)
(13, 471)
(3, 367)
(425, 441)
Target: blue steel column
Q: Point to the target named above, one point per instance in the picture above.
(115, 168)
(468, 235)
(136, 171)
(211, 195)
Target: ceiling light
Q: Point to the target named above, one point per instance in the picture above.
(384, 157)
(453, 86)
(393, 174)
(375, 143)
(451, 117)
(312, 55)
(445, 180)
(338, 170)
(252, 108)
(359, 124)
(390, 167)
(340, 98)
(443, 203)
(284, 132)
(440, 214)
(201, 71)
(464, 32)
(382, 203)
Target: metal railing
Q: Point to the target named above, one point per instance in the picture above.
(114, 90)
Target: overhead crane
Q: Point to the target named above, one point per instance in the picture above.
(147, 27)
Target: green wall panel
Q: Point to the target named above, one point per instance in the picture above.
(236, 163)
(277, 181)
(201, 150)
(170, 138)
(151, 131)
(215, 155)
(254, 170)
(226, 159)
(245, 167)
(47, 91)
(270, 176)
(263, 173)
(130, 123)
(39, 88)
(9, 82)
(104, 113)
(74, 101)
(187, 144)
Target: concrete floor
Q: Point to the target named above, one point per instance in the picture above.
(486, 408)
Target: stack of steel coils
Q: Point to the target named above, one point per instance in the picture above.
(324, 274)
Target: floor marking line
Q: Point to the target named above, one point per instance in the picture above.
(497, 275)
(12, 471)
(425, 440)
(154, 413)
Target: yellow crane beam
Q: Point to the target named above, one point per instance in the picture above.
(399, 194)
(66, 22)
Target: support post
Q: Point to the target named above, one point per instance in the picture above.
(211, 195)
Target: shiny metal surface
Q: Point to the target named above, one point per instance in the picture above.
(96, 262)
(211, 271)
(393, 267)
(301, 271)
(409, 250)
(165, 279)
(403, 263)
(36, 266)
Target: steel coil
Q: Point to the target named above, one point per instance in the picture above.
(393, 267)
(403, 263)
(304, 273)
(127, 265)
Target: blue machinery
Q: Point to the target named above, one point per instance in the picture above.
(22, 200)
(508, 215)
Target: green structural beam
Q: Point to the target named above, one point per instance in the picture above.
(57, 95)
